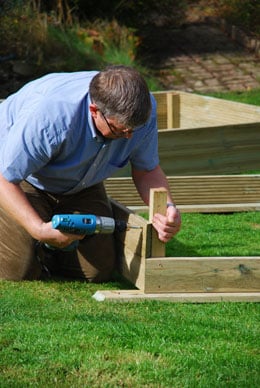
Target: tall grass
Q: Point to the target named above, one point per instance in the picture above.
(50, 43)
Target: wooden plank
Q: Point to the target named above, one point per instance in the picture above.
(229, 149)
(196, 111)
(207, 208)
(219, 189)
(133, 246)
(158, 202)
(229, 192)
(161, 109)
(169, 103)
(204, 111)
(212, 150)
(137, 295)
(173, 110)
(202, 274)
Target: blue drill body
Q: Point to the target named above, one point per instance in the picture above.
(75, 223)
(86, 224)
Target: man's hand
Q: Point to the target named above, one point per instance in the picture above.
(169, 225)
(55, 237)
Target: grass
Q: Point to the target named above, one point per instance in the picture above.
(247, 97)
(54, 334)
(235, 234)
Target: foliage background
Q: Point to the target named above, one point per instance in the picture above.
(70, 35)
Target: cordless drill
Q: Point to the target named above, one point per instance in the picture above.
(87, 224)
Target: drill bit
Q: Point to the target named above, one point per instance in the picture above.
(122, 226)
(130, 226)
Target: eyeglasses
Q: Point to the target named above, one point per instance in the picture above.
(117, 132)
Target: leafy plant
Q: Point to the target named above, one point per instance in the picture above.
(50, 44)
(23, 32)
(245, 14)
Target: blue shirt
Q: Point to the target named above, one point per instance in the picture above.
(48, 138)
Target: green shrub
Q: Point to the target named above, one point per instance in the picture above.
(23, 32)
(245, 14)
(43, 40)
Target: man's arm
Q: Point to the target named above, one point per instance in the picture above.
(166, 226)
(145, 180)
(14, 201)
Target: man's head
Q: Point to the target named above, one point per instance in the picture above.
(121, 95)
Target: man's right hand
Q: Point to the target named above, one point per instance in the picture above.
(55, 237)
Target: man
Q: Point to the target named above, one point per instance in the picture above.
(61, 136)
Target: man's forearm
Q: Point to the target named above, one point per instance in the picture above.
(166, 225)
(145, 180)
(14, 201)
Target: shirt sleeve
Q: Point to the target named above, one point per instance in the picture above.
(29, 145)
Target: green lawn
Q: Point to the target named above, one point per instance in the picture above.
(235, 234)
(247, 97)
(53, 334)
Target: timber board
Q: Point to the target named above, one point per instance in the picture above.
(180, 297)
(197, 193)
(202, 274)
(212, 150)
(177, 109)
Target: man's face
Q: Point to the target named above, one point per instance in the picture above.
(109, 127)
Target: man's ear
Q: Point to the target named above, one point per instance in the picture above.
(93, 110)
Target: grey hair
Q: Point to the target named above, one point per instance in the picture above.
(120, 92)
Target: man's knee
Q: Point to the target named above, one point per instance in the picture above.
(19, 265)
(93, 261)
(97, 258)
(17, 252)
(100, 275)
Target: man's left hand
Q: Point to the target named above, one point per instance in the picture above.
(169, 225)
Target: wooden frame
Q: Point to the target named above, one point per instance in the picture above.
(186, 279)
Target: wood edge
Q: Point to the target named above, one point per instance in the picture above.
(208, 208)
(137, 295)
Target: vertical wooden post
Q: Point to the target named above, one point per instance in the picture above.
(158, 204)
(173, 110)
